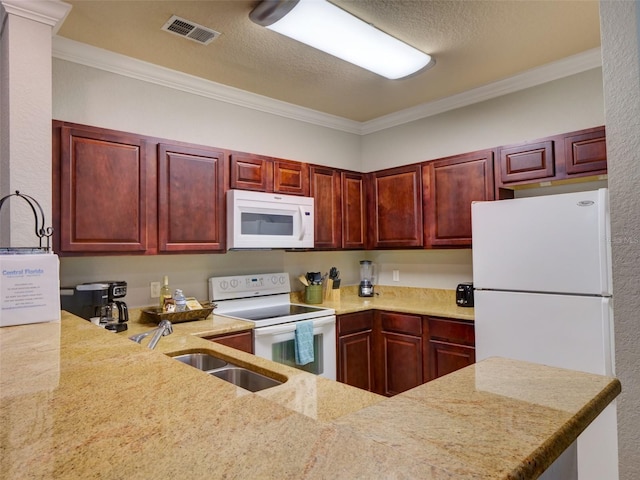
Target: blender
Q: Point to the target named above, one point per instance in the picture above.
(367, 272)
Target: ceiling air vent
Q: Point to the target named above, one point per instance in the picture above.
(190, 30)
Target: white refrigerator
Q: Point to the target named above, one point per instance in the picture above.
(542, 293)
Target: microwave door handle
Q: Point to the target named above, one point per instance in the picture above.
(303, 224)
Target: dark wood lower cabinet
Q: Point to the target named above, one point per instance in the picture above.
(239, 340)
(451, 345)
(400, 352)
(390, 352)
(401, 363)
(355, 349)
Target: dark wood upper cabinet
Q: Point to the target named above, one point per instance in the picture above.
(250, 172)
(266, 174)
(395, 208)
(326, 192)
(101, 201)
(560, 157)
(586, 152)
(290, 177)
(528, 162)
(190, 199)
(450, 185)
(354, 201)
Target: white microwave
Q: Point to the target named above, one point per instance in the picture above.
(259, 220)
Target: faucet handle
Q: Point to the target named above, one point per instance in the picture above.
(167, 326)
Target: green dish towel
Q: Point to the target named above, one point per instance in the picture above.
(303, 342)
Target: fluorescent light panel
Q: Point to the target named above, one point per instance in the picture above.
(324, 26)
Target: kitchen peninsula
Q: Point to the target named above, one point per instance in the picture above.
(77, 401)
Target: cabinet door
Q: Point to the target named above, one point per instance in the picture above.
(250, 172)
(451, 185)
(353, 210)
(240, 341)
(396, 212)
(103, 192)
(586, 153)
(290, 177)
(400, 352)
(190, 199)
(451, 345)
(401, 363)
(449, 357)
(325, 189)
(526, 163)
(355, 349)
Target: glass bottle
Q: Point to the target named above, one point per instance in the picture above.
(165, 292)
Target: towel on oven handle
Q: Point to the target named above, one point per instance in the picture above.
(303, 342)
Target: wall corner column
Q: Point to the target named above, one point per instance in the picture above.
(26, 30)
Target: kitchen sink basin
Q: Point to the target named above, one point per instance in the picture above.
(201, 361)
(243, 378)
(239, 376)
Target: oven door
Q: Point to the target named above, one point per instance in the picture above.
(276, 343)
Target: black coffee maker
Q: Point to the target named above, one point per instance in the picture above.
(117, 312)
(96, 301)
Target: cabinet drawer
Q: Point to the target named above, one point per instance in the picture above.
(401, 323)
(527, 162)
(454, 331)
(240, 341)
(586, 152)
(354, 322)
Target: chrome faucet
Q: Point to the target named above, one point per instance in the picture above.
(164, 328)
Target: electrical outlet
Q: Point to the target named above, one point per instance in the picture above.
(155, 289)
(396, 275)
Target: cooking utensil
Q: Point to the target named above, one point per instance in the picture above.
(304, 280)
(314, 278)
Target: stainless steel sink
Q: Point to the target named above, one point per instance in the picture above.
(201, 361)
(243, 378)
(239, 376)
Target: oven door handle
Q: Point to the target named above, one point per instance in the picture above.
(291, 327)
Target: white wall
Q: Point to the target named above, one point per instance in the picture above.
(564, 105)
(94, 97)
(620, 27)
(25, 109)
(89, 96)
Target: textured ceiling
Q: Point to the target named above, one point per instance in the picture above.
(474, 43)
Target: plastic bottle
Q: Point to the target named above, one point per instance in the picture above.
(165, 292)
(181, 302)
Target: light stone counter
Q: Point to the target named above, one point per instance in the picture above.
(421, 301)
(79, 402)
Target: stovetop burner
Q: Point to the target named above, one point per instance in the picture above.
(276, 311)
(263, 299)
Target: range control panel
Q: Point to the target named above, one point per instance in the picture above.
(243, 286)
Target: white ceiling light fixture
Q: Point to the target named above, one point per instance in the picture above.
(325, 26)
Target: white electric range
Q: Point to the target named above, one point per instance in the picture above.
(264, 299)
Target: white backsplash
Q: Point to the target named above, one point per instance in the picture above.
(417, 268)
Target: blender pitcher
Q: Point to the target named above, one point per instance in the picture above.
(367, 275)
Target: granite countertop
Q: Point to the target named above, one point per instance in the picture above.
(77, 401)
(421, 301)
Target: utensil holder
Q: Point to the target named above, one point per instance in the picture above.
(313, 294)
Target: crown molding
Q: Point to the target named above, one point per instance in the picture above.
(51, 13)
(70, 50)
(572, 65)
(81, 53)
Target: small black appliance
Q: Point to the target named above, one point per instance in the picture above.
(464, 295)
